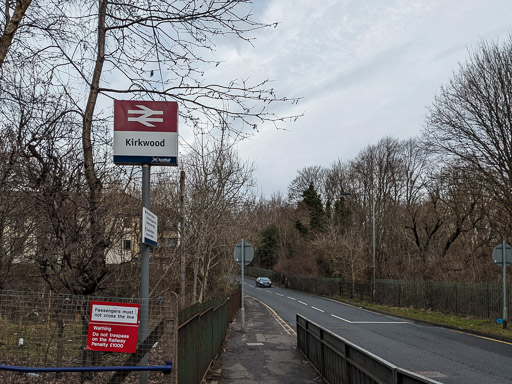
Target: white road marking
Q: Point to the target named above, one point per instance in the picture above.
(340, 318)
(291, 298)
(302, 302)
(318, 309)
(278, 294)
(252, 344)
(380, 322)
(370, 322)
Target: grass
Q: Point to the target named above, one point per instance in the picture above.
(40, 342)
(484, 327)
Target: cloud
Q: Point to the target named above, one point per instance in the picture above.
(365, 69)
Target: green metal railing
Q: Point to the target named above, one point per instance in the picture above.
(202, 329)
(479, 300)
(341, 362)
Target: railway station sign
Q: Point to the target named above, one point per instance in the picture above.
(113, 327)
(145, 132)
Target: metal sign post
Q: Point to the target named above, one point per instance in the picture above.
(505, 312)
(242, 310)
(144, 273)
(502, 256)
(244, 253)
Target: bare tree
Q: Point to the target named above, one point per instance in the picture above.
(440, 219)
(312, 175)
(378, 182)
(13, 14)
(153, 49)
(218, 185)
(15, 229)
(471, 120)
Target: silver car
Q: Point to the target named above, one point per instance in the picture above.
(263, 282)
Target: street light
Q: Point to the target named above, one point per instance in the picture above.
(374, 266)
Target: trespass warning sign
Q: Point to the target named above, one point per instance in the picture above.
(113, 327)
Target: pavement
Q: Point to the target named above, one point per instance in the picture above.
(266, 353)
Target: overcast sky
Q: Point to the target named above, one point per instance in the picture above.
(365, 69)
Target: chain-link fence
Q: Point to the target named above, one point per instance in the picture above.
(49, 330)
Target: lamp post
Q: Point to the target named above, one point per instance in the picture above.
(374, 265)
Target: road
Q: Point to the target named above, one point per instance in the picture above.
(438, 353)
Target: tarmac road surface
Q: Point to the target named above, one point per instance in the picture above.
(441, 354)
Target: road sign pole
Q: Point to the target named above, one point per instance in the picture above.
(242, 256)
(144, 273)
(242, 309)
(505, 314)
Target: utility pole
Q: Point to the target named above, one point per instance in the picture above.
(374, 267)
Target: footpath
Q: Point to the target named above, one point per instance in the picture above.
(266, 353)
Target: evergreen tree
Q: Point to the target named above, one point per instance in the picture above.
(313, 203)
(269, 246)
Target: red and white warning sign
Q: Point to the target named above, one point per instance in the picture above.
(113, 327)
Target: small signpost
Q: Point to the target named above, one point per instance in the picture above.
(502, 256)
(244, 253)
(113, 327)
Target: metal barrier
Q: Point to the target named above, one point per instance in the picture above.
(341, 362)
(162, 368)
(202, 328)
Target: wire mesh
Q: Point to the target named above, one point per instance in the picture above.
(42, 329)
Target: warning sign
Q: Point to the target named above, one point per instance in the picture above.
(113, 327)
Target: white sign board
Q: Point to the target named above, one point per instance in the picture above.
(115, 314)
(149, 227)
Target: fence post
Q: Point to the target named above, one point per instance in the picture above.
(456, 298)
(488, 301)
(345, 374)
(430, 295)
(399, 294)
(169, 337)
(306, 330)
